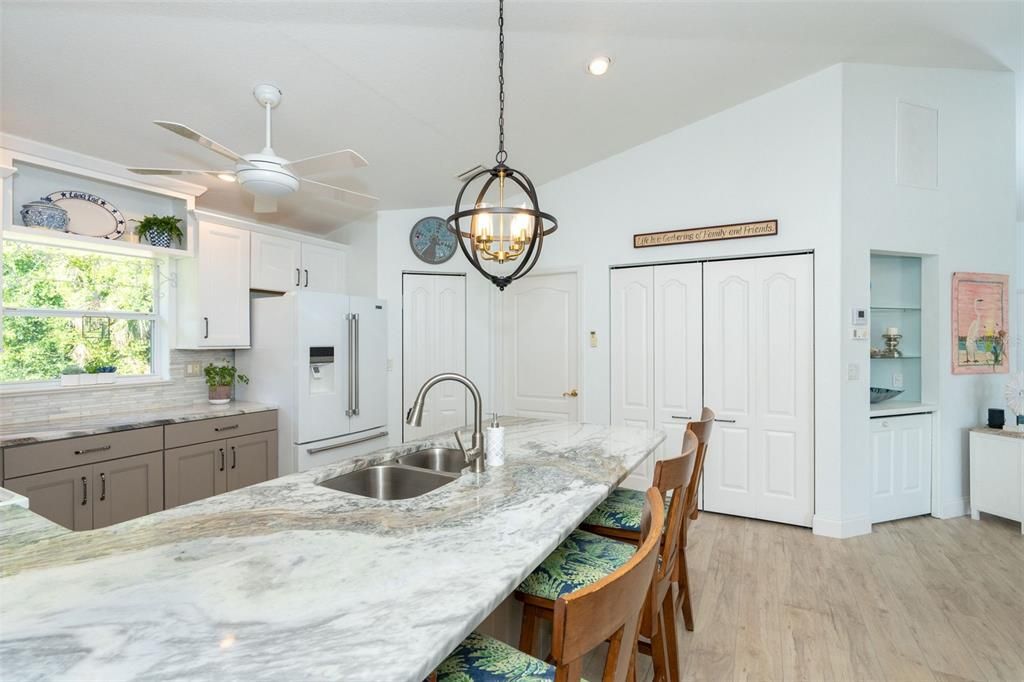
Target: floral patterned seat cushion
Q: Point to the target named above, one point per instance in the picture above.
(583, 559)
(622, 509)
(484, 659)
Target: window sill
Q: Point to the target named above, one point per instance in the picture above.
(56, 388)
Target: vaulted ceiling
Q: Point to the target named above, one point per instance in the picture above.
(411, 85)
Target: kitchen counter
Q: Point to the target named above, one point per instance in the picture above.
(287, 579)
(24, 433)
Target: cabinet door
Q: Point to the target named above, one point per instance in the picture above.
(323, 269)
(223, 286)
(275, 263)
(194, 472)
(632, 358)
(127, 488)
(901, 467)
(64, 496)
(251, 459)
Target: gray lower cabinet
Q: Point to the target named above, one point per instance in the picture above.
(252, 459)
(194, 472)
(96, 495)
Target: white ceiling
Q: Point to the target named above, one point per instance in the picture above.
(411, 85)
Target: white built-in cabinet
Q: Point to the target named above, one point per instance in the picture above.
(213, 290)
(736, 336)
(433, 341)
(901, 466)
(280, 264)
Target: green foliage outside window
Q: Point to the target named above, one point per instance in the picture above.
(39, 278)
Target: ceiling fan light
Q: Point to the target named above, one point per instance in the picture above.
(599, 66)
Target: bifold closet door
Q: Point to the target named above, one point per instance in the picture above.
(433, 341)
(758, 377)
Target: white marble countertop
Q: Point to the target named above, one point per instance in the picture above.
(998, 432)
(288, 580)
(24, 433)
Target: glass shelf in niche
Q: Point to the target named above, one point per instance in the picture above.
(902, 357)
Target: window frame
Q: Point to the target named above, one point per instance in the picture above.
(159, 348)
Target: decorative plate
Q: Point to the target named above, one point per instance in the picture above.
(432, 241)
(1014, 393)
(90, 215)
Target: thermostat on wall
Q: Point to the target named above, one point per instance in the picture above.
(859, 316)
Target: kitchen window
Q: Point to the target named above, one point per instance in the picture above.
(67, 311)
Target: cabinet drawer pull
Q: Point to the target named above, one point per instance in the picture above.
(234, 457)
(679, 416)
(85, 491)
(726, 421)
(101, 448)
(218, 429)
(103, 487)
(221, 459)
(298, 277)
(206, 332)
(307, 278)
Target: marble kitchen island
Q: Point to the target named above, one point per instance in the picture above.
(287, 579)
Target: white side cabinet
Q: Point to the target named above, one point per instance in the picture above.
(281, 264)
(213, 290)
(901, 467)
(997, 474)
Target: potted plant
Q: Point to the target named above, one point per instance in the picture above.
(160, 230)
(220, 379)
(70, 375)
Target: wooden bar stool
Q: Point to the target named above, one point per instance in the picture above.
(585, 556)
(617, 516)
(608, 609)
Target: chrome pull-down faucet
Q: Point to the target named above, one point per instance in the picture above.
(414, 417)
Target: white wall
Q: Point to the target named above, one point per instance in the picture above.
(393, 257)
(967, 223)
(361, 237)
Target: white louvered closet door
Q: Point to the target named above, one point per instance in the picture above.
(758, 377)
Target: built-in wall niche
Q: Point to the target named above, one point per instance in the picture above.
(35, 179)
(896, 305)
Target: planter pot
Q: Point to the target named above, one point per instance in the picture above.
(69, 379)
(106, 378)
(158, 239)
(220, 395)
(88, 379)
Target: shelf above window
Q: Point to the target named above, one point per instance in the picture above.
(39, 235)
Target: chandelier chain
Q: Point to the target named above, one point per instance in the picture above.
(502, 155)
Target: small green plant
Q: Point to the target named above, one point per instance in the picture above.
(223, 375)
(72, 369)
(160, 225)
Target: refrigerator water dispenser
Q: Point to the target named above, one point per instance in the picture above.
(321, 369)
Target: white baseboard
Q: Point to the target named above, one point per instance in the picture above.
(845, 528)
(951, 509)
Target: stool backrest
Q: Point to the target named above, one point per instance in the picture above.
(610, 609)
(702, 430)
(673, 475)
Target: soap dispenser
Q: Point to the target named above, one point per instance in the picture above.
(495, 442)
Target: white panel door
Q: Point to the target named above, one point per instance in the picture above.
(433, 341)
(323, 268)
(901, 467)
(632, 357)
(223, 286)
(539, 346)
(678, 356)
(758, 364)
(275, 263)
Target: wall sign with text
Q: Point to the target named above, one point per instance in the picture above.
(764, 228)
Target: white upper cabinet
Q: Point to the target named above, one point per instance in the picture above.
(213, 290)
(276, 263)
(323, 268)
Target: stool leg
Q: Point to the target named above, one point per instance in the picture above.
(684, 589)
(668, 613)
(527, 629)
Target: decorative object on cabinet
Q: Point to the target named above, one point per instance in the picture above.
(90, 215)
(714, 233)
(980, 308)
(44, 213)
(882, 394)
(266, 175)
(996, 418)
(498, 233)
(160, 230)
(432, 241)
(220, 379)
(892, 339)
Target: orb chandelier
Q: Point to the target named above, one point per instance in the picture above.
(493, 232)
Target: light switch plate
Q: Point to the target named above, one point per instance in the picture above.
(852, 371)
(193, 369)
(593, 339)
(859, 333)
(897, 380)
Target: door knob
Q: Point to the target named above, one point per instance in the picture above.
(571, 394)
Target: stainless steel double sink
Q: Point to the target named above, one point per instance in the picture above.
(411, 475)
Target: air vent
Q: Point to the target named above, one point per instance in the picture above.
(467, 174)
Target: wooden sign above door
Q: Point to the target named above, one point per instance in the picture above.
(764, 228)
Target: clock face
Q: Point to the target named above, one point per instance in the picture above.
(432, 241)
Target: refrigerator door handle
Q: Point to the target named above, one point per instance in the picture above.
(351, 366)
(355, 361)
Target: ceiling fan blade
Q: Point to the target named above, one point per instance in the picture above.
(264, 204)
(176, 171)
(338, 193)
(195, 136)
(345, 159)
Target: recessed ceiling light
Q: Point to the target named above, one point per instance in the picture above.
(599, 66)
(226, 177)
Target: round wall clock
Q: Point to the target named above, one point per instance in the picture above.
(432, 241)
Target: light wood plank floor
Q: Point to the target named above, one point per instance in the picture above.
(918, 599)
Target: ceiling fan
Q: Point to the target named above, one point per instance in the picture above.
(265, 174)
